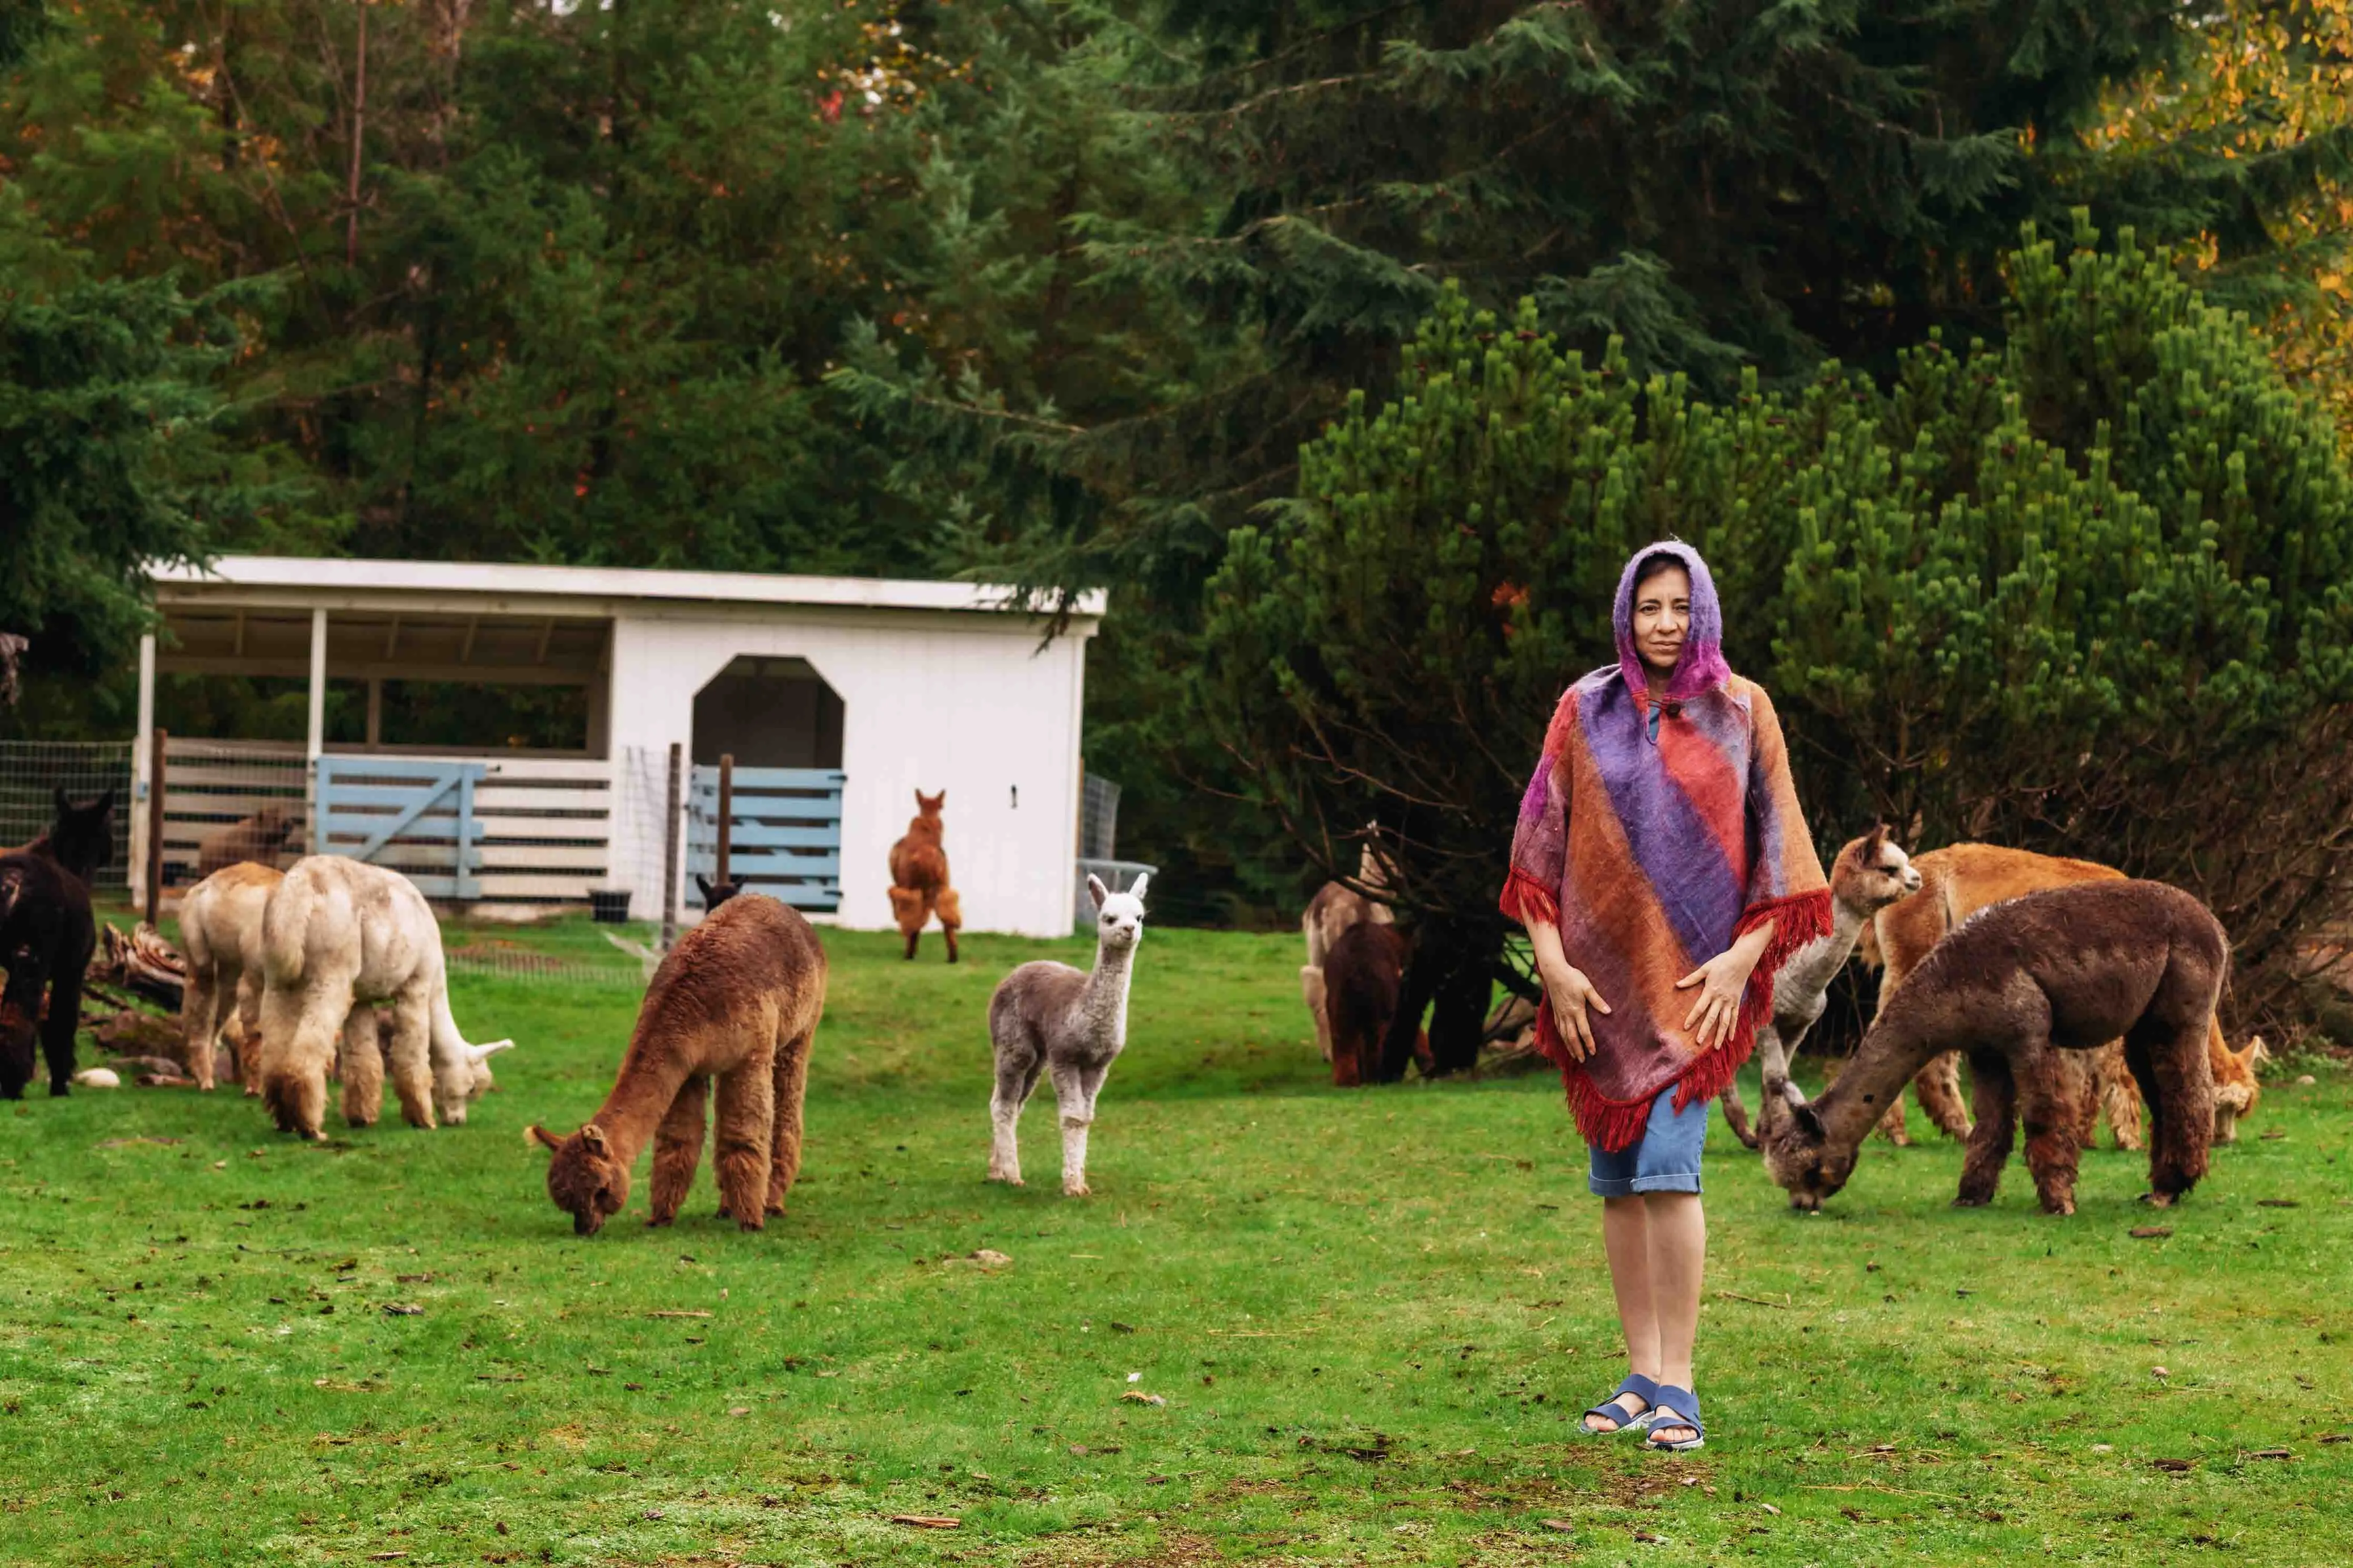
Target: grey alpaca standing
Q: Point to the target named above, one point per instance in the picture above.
(1048, 1017)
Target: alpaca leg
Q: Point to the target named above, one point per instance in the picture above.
(1735, 1115)
(20, 1010)
(412, 1056)
(298, 1032)
(1076, 1105)
(64, 1020)
(1938, 1087)
(744, 1145)
(1017, 1065)
(362, 1067)
(1311, 991)
(200, 1022)
(244, 1036)
(2179, 1084)
(2049, 1105)
(2120, 1102)
(791, 1075)
(951, 919)
(1989, 1148)
(1891, 1125)
(677, 1150)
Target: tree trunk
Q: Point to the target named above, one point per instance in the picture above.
(1450, 975)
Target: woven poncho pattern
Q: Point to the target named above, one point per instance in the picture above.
(1653, 856)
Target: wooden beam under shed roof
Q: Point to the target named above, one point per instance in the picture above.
(465, 654)
(546, 630)
(391, 637)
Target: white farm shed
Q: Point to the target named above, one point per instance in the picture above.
(837, 699)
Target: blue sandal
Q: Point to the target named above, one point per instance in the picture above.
(1675, 1407)
(1642, 1388)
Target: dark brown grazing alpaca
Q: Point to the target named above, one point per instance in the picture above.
(2066, 970)
(1364, 971)
(47, 937)
(739, 997)
(919, 877)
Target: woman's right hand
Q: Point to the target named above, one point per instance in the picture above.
(1571, 993)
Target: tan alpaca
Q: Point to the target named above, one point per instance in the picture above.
(739, 997)
(1335, 909)
(919, 877)
(1868, 874)
(338, 934)
(2018, 986)
(1956, 882)
(220, 937)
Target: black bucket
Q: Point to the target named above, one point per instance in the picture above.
(608, 906)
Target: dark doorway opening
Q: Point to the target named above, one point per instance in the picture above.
(768, 713)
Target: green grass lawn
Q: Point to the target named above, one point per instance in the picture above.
(1372, 1315)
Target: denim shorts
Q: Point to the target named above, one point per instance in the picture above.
(1664, 1159)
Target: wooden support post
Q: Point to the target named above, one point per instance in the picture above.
(157, 742)
(675, 825)
(726, 815)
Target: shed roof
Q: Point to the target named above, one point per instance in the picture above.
(286, 580)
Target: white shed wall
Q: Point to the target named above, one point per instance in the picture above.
(966, 702)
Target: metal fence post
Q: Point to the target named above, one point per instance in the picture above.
(675, 827)
(727, 814)
(156, 743)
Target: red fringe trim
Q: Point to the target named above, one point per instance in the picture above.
(1529, 901)
(1613, 1125)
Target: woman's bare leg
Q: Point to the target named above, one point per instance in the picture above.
(1626, 1240)
(1678, 1245)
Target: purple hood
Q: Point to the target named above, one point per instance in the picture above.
(1701, 667)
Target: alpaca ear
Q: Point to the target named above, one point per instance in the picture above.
(704, 883)
(536, 1133)
(1809, 1118)
(103, 803)
(594, 1136)
(1096, 890)
(1136, 892)
(57, 793)
(480, 1054)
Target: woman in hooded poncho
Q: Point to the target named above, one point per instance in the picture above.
(1664, 871)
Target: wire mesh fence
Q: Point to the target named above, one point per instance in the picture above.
(33, 772)
(1098, 818)
(225, 802)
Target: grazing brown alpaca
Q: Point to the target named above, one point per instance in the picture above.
(1332, 911)
(919, 877)
(1959, 880)
(257, 839)
(738, 997)
(2016, 985)
(1363, 973)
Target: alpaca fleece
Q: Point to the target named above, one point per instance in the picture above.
(1362, 974)
(2015, 987)
(919, 877)
(337, 934)
(220, 937)
(738, 999)
(1652, 857)
(1956, 882)
(47, 937)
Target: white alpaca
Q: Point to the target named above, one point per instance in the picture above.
(338, 933)
(1048, 1017)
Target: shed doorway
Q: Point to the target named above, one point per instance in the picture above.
(768, 713)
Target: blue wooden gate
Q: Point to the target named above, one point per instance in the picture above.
(786, 840)
(407, 814)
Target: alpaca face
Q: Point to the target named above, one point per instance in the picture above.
(82, 838)
(1119, 916)
(586, 1179)
(1873, 872)
(449, 1104)
(1797, 1150)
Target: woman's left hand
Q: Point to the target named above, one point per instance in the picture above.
(1722, 980)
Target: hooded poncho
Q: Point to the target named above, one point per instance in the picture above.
(1653, 856)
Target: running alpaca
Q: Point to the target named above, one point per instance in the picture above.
(919, 877)
(739, 996)
(1050, 1017)
(1869, 873)
(2066, 970)
(340, 933)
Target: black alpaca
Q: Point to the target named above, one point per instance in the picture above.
(47, 936)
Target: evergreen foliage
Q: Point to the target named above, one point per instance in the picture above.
(2083, 592)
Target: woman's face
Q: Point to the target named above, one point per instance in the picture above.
(1662, 619)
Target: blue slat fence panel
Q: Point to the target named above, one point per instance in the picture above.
(412, 815)
(786, 840)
